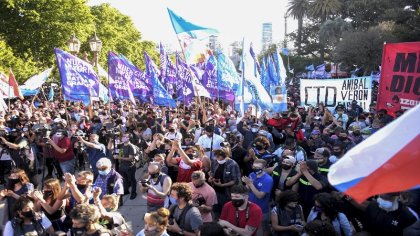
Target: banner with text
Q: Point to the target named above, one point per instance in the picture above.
(336, 91)
(399, 86)
(79, 81)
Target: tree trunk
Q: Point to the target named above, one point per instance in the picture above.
(299, 36)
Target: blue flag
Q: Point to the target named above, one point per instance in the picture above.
(51, 94)
(310, 67)
(226, 72)
(103, 93)
(285, 51)
(121, 73)
(160, 95)
(212, 84)
(272, 73)
(79, 81)
(167, 72)
(320, 71)
(264, 77)
(257, 68)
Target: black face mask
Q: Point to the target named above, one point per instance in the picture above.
(259, 147)
(47, 193)
(342, 138)
(286, 167)
(81, 186)
(154, 175)
(199, 185)
(28, 214)
(13, 181)
(191, 156)
(171, 130)
(356, 133)
(238, 202)
(78, 231)
(336, 153)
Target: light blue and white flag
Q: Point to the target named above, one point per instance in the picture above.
(51, 94)
(258, 92)
(32, 85)
(226, 72)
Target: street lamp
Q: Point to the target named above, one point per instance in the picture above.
(73, 44)
(95, 46)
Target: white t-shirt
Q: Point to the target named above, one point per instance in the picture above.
(8, 228)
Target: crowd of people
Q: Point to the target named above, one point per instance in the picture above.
(205, 170)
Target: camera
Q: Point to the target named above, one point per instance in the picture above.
(144, 182)
(200, 201)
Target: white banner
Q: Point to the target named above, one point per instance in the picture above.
(333, 92)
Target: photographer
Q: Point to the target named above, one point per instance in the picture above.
(157, 186)
(95, 150)
(63, 151)
(22, 154)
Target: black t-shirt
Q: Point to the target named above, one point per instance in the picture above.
(379, 222)
(238, 155)
(218, 174)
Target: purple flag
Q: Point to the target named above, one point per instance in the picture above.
(79, 81)
(120, 73)
(210, 81)
(167, 71)
(141, 85)
(186, 91)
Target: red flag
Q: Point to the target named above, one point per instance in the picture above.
(14, 84)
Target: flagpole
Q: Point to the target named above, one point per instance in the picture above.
(191, 74)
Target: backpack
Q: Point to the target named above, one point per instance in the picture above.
(181, 218)
(138, 154)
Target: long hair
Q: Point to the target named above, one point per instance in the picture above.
(55, 187)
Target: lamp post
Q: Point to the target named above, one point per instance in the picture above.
(74, 44)
(95, 46)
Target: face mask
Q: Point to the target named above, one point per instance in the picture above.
(209, 113)
(14, 181)
(124, 139)
(357, 133)
(342, 138)
(104, 172)
(259, 147)
(28, 214)
(238, 202)
(317, 209)
(191, 156)
(192, 116)
(199, 185)
(154, 175)
(384, 204)
(187, 118)
(48, 193)
(78, 231)
(254, 130)
(285, 167)
(340, 113)
(221, 162)
(172, 130)
(258, 171)
(59, 135)
(81, 186)
(336, 153)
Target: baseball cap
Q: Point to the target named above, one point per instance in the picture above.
(322, 151)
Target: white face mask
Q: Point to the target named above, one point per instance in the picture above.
(221, 162)
(254, 130)
(387, 205)
(193, 117)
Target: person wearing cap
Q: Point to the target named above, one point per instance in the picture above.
(307, 182)
(282, 173)
(203, 196)
(341, 116)
(322, 157)
(109, 180)
(210, 141)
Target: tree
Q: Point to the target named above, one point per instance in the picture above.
(364, 48)
(22, 68)
(323, 9)
(298, 9)
(118, 34)
(35, 28)
(331, 30)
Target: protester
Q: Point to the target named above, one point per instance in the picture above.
(157, 186)
(204, 196)
(155, 223)
(85, 221)
(287, 216)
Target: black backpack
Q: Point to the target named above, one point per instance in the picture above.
(18, 227)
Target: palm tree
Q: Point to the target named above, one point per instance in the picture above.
(298, 9)
(323, 9)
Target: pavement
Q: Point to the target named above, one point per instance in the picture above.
(132, 210)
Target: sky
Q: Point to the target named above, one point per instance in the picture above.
(234, 19)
